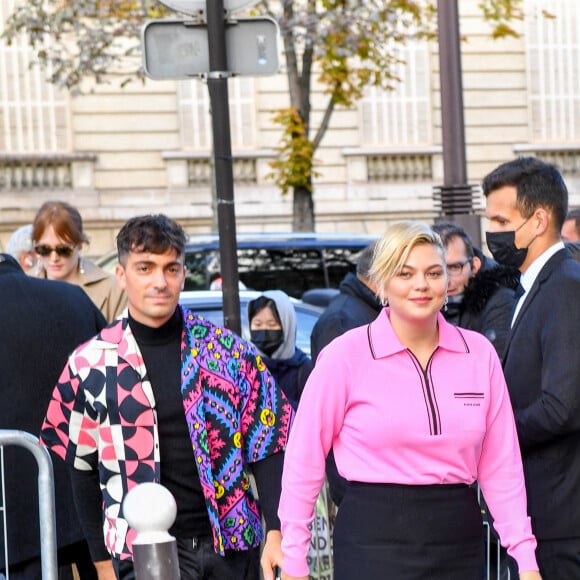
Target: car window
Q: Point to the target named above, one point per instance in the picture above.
(292, 265)
(339, 262)
(293, 270)
(201, 264)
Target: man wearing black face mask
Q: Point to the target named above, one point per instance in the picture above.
(480, 297)
(526, 203)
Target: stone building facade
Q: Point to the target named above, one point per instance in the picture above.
(115, 153)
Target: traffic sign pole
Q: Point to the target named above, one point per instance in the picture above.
(223, 163)
(178, 49)
(175, 50)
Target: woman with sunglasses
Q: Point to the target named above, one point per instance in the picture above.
(58, 237)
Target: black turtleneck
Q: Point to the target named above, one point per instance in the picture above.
(161, 351)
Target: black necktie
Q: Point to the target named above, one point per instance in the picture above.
(519, 292)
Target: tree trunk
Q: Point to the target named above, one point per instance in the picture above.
(303, 210)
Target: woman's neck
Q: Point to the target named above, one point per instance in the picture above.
(421, 337)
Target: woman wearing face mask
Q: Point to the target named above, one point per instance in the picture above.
(272, 321)
(58, 237)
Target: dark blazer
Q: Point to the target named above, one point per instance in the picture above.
(542, 369)
(488, 304)
(41, 322)
(354, 306)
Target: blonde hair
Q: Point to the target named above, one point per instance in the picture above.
(392, 251)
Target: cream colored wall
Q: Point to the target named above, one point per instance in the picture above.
(495, 95)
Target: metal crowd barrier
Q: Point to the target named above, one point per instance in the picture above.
(46, 506)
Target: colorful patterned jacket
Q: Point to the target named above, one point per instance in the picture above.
(102, 416)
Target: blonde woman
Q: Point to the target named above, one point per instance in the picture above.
(58, 238)
(416, 410)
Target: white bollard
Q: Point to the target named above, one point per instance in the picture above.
(150, 510)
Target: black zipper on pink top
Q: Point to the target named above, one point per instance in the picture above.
(428, 393)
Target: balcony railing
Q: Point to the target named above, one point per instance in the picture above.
(47, 171)
(384, 165)
(565, 156)
(247, 167)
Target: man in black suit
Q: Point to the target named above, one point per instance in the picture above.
(526, 203)
(41, 322)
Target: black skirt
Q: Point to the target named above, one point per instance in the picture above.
(408, 532)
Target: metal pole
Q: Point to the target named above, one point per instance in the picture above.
(457, 194)
(223, 164)
(47, 513)
(150, 510)
(454, 163)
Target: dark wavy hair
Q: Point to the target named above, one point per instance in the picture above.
(537, 183)
(153, 234)
(450, 230)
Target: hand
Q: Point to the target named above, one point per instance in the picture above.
(530, 575)
(105, 570)
(271, 554)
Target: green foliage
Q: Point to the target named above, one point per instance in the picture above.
(344, 46)
(500, 13)
(294, 166)
(355, 44)
(78, 39)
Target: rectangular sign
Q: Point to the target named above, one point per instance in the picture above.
(177, 49)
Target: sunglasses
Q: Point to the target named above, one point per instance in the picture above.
(62, 251)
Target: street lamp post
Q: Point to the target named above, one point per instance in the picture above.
(456, 195)
(217, 81)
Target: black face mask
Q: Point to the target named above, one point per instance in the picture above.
(503, 248)
(267, 341)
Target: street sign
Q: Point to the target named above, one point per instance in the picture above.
(196, 7)
(174, 49)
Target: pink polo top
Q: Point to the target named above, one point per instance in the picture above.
(389, 421)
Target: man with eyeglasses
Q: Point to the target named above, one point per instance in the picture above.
(480, 297)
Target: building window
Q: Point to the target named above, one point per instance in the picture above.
(396, 134)
(552, 46)
(402, 116)
(34, 115)
(195, 119)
